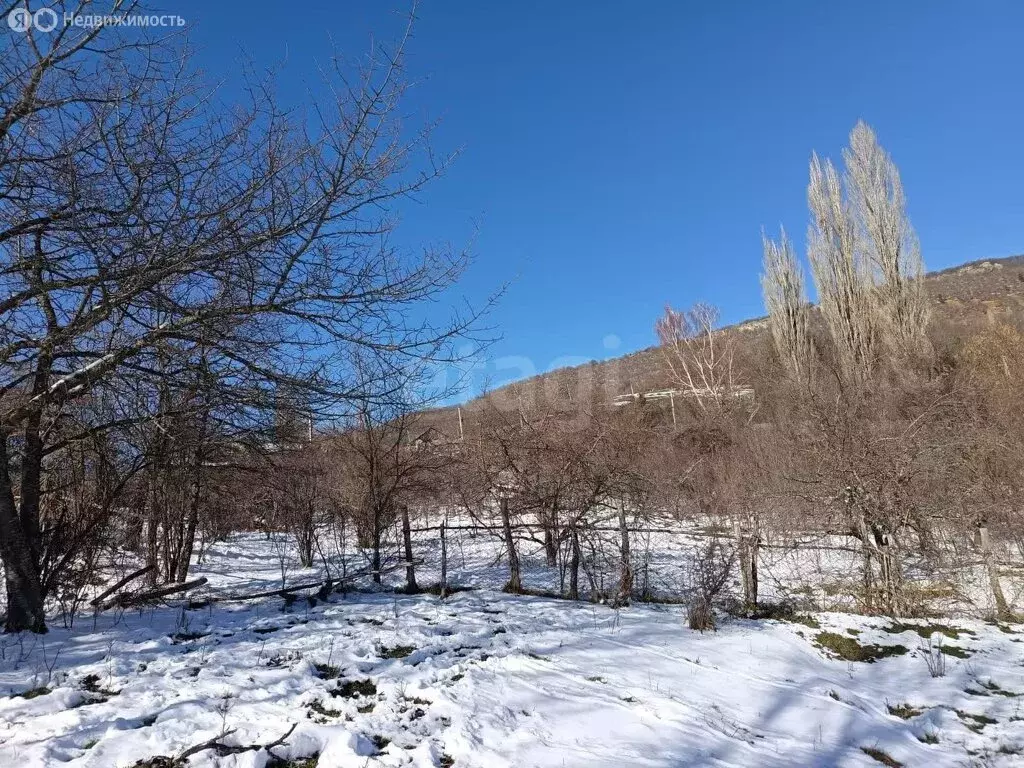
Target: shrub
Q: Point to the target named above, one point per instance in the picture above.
(934, 656)
(700, 615)
(327, 671)
(396, 652)
(352, 688)
(709, 573)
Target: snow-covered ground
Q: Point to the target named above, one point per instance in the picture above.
(487, 679)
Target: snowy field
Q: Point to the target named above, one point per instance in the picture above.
(486, 679)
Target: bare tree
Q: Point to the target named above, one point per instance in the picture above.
(297, 476)
(699, 357)
(785, 298)
(382, 472)
(865, 257)
(992, 483)
(842, 278)
(888, 239)
(140, 222)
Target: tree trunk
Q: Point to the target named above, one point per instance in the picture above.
(551, 535)
(410, 569)
(376, 545)
(626, 568)
(985, 544)
(153, 523)
(32, 469)
(881, 545)
(891, 568)
(574, 565)
(174, 538)
(867, 546)
(747, 545)
(25, 607)
(188, 538)
(135, 525)
(305, 535)
(31, 488)
(170, 563)
(754, 545)
(925, 535)
(515, 584)
(153, 544)
(550, 550)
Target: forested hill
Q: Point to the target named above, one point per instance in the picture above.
(963, 299)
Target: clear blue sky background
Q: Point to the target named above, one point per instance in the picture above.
(618, 156)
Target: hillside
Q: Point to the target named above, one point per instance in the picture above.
(963, 298)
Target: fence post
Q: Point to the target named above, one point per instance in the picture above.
(626, 568)
(410, 569)
(746, 546)
(549, 521)
(574, 565)
(444, 562)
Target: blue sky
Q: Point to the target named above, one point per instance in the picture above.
(618, 156)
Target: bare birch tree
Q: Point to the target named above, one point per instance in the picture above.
(698, 355)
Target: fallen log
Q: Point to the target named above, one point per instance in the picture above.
(323, 587)
(130, 577)
(281, 592)
(152, 594)
(387, 569)
(223, 750)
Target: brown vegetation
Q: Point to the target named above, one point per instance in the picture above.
(203, 329)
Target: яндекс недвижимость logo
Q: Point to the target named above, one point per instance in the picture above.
(22, 19)
(46, 20)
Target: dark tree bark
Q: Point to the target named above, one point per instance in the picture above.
(19, 523)
(550, 548)
(188, 537)
(305, 534)
(25, 608)
(377, 524)
(153, 540)
(550, 522)
(31, 487)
